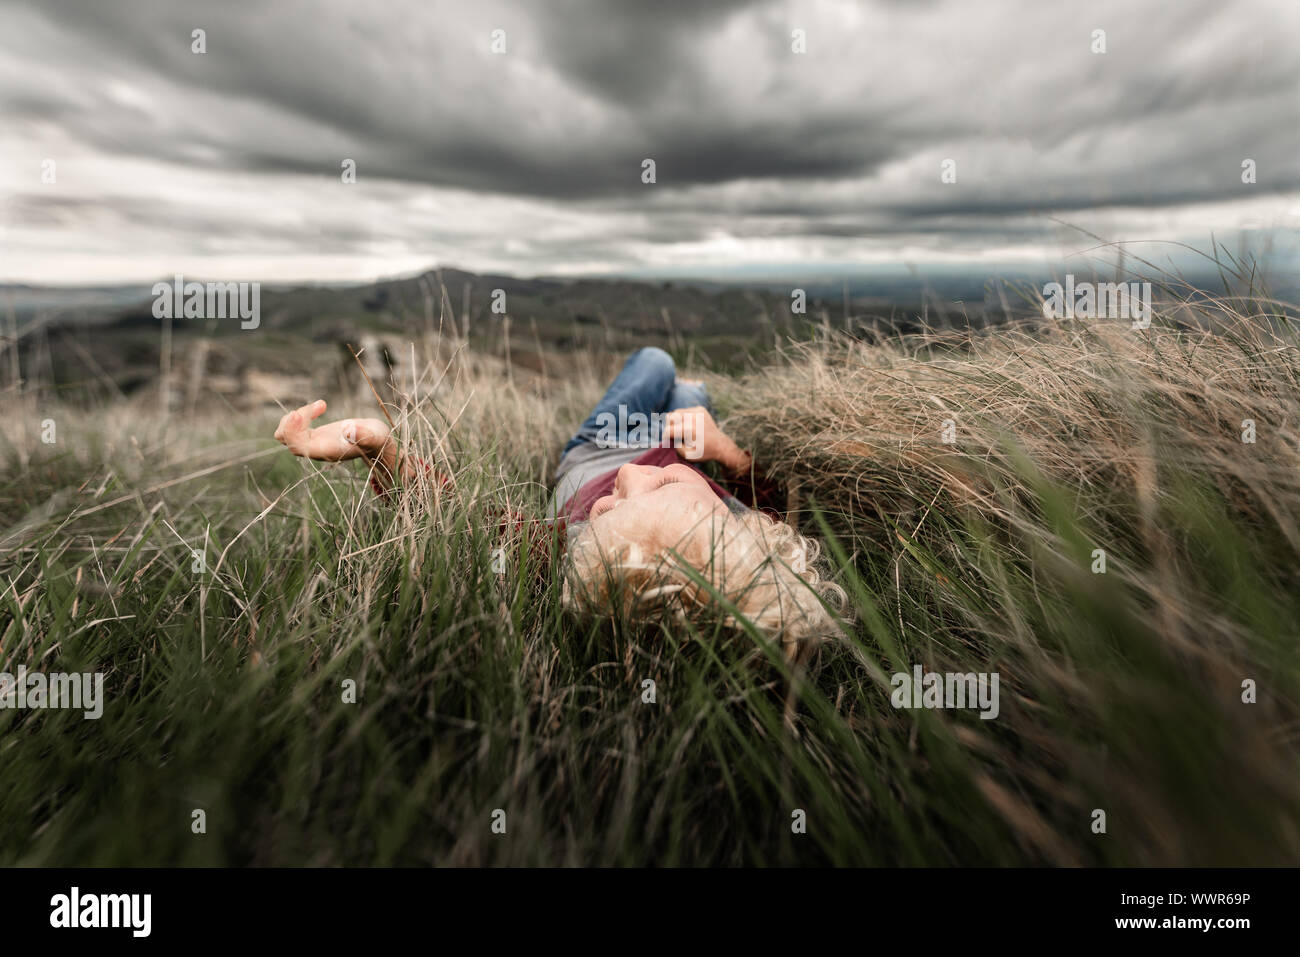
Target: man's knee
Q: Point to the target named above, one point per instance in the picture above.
(655, 358)
(654, 365)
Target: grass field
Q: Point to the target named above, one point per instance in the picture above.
(1121, 690)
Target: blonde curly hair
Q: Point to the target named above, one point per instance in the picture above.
(766, 570)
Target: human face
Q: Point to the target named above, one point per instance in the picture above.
(657, 507)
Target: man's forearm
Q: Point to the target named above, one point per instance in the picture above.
(731, 456)
(387, 462)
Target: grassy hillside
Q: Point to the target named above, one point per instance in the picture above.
(93, 343)
(1121, 690)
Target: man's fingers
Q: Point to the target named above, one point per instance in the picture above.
(299, 417)
(296, 421)
(684, 428)
(286, 425)
(673, 425)
(692, 417)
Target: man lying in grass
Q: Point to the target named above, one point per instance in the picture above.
(646, 527)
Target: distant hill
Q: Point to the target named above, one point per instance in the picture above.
(107, 337)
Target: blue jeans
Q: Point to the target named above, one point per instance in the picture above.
(646, 385)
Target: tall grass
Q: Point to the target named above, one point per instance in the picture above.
(1121, 691)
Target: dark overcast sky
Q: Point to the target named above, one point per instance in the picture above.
(228, 163)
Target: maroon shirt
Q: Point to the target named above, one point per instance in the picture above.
(578, 508)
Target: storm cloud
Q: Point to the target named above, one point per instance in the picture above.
(530, 160)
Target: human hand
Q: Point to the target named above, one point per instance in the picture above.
(334, 441)
(697, 438)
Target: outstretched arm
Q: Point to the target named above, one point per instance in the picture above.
(372, 440)
(368, 439)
